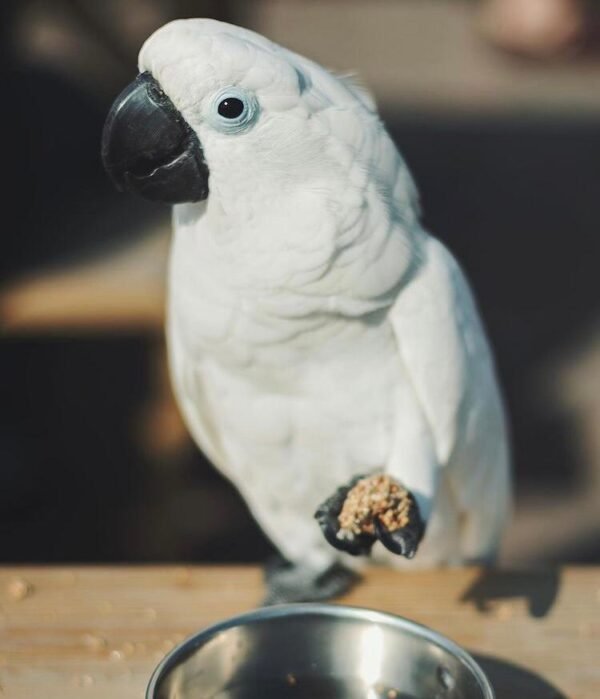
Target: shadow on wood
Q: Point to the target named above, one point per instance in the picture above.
(539, 588)
(513, 682)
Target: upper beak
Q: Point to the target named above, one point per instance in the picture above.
(148, 147)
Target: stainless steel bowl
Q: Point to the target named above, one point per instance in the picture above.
(306, 651)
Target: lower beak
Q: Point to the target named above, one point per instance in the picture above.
(148, 148)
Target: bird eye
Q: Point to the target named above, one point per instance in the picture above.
(233, 110)
(230, 108)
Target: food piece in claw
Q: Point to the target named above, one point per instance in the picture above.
(375, 498)
(368, 509)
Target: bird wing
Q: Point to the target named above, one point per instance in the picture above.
(446, 355)
(441, 342)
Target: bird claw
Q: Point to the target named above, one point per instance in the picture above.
(403, 542)
(327, 516)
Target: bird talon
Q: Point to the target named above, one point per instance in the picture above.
(404, 541)
(327, 516)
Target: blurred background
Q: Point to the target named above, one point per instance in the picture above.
(496, 107)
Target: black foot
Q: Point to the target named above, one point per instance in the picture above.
(403, 542)
(327, 517)
(294, 583)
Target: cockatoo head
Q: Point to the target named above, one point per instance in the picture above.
(217, 107)
(298, 171)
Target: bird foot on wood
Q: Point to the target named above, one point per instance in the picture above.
(288, 583)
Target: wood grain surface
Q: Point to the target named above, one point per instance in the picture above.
(98, 633)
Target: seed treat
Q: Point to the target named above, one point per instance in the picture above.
(375, 497)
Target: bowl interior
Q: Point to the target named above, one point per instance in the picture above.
(318, 655)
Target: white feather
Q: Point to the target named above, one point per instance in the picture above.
(315, 330)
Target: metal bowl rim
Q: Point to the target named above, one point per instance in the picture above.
(186, 647)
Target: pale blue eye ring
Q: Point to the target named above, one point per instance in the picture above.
(232, 110)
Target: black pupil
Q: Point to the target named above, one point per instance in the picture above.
(231, 107)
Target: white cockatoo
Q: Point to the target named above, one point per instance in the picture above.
(316, 331)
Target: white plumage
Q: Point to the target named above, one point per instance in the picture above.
(316, 331)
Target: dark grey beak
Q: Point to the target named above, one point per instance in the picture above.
(148, 148)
